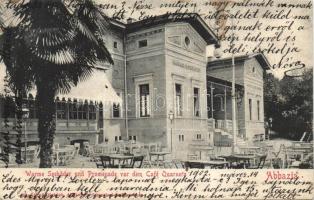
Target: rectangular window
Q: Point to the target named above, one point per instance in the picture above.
(250, 108)
(81, 111)
(142, 43)
(144, 100)
(196, 102)
(101, 112)
(258, 110)
(115, 45)
(85, 110)
(181, 138)
(178, 99)
(198, 136)
(91, 111)
(116, 109)
(209, 104)
(73, 109)
(117, 138)
(132, 137)
(61, 110)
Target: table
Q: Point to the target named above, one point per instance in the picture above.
(201, 148)
(120, 157)
(250, 149)
(59, 152)
(304, 149)
(211, 163)
(158, 154)
(240, 157)
(296, 153)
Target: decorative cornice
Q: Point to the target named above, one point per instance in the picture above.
(145, 34)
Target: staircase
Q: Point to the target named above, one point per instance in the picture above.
(223, 136)
(306, 137)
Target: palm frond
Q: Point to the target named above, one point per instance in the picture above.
(96, 21)
(15, 58)
(60, 48)
(102, 52)
(86, 31)
(1, 46)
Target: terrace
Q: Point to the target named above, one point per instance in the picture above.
(132, 154)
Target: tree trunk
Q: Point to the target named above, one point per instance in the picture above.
(18, 126)
(46, 123)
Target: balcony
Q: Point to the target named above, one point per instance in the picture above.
(224, 125)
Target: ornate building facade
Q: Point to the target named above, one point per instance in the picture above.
(163, 89)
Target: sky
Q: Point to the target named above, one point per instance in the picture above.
(303, 40)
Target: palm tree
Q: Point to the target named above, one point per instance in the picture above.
(53, 48)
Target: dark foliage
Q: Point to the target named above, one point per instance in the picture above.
(53, 48)
(289, 102)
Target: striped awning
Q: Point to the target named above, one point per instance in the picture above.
(95, 88)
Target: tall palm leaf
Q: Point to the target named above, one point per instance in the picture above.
(59, 49)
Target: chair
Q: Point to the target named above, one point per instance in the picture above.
(98, 149)
(98, 162)
(68, 156)
(56, 146)
(154, 147)
(136, 150)
(217, 158)
(90, 152)
(105, 161)
(178, 164)
(146, 162)
(194, 165)
(137, 162)
(30, 155)
(73, 152)
(85, 149)
(260, 164)
(77, 148)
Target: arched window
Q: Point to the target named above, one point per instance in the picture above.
(91, 111)
(61, 108)
(80, 110)
(101, 110)
(73, 109)
(85, 109)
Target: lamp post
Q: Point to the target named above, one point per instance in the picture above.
(171, 117)
(25, 112)
(217, 54)
(270, 127)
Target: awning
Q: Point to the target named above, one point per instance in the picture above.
(2, 74)
(95, 88)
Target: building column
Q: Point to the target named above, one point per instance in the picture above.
(212, 100)
(225, 105)
(67, 111)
